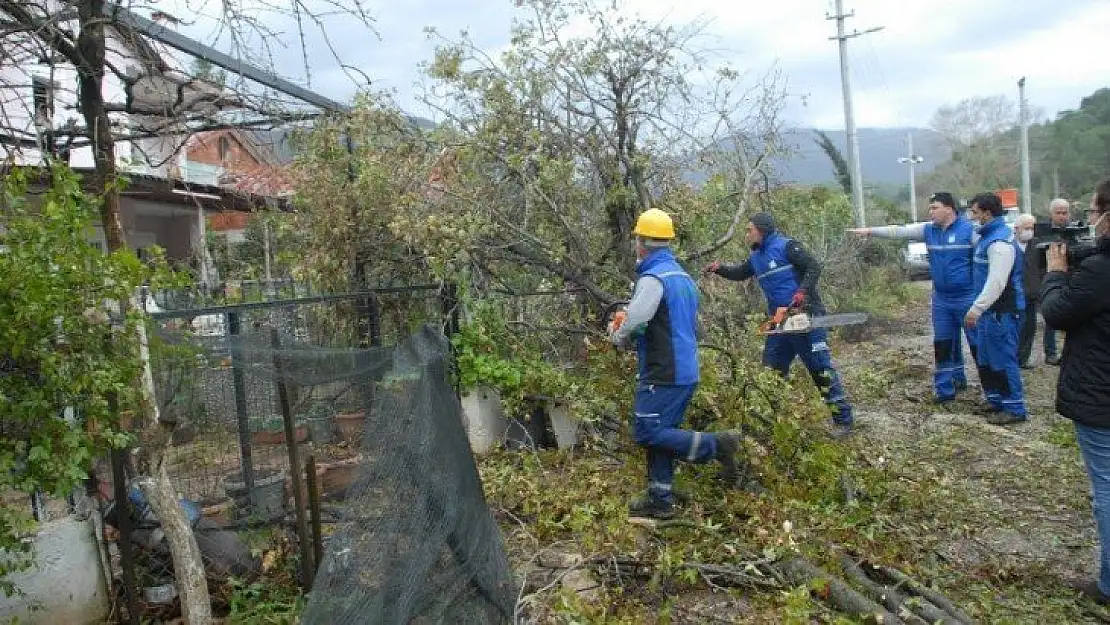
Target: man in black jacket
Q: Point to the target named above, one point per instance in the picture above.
(1077, 301)
(1033, 276)
(787, 273)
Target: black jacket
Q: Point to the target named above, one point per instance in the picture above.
(1032, 272)
(1078, 302)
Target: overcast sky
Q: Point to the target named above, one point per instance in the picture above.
(929, 53)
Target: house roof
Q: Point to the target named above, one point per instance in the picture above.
(160, 189)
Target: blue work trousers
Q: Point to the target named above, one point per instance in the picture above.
(948, 352)
(1094, 445)
(658, 412)
(813, 348)
(997, 356)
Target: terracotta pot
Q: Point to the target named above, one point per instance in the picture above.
(337, 478)
(277, 437)
(350, 425)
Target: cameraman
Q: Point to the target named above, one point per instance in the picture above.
(1076, 300)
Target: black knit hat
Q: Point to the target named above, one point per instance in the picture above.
(946, 198)
(763, 222)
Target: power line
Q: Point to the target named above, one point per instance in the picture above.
(842, 38)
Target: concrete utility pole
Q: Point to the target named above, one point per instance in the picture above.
(1026, 186)
(842, 38)
(912, 160)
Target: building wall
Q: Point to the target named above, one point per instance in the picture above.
(66, 585)
(221, 148)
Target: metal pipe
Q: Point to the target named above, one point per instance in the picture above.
(234, 328)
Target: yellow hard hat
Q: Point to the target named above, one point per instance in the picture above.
(654, 224)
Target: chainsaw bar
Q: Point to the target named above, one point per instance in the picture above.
(825, 321)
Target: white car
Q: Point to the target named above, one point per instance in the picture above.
(916, 258)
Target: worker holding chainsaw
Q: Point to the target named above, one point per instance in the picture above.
(948, 238)
(787, 273)
(661, 322)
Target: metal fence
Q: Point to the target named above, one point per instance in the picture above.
(269, 402)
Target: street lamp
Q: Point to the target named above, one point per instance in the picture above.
(912, 160)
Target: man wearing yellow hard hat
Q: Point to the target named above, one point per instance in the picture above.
(662, 322)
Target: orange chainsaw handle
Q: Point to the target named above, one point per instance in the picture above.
(776, 320)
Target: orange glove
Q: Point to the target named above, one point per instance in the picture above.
(617, 321)
(712, 267)
(799, 299)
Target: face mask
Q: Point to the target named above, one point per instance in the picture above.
(1025, 236)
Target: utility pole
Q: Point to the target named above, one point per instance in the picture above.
(1026, 186)
(912, 160)
(842, 38)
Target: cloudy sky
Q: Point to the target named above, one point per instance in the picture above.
(929, 53)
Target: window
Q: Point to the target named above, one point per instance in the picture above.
(43, 98)
(224, 148)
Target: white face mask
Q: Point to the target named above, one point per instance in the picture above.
(1025, 236)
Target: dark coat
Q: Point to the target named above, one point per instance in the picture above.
(1078, 302)
(1033, 270)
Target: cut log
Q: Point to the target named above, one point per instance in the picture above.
(836, 593)
(900, 579)
(887, 596)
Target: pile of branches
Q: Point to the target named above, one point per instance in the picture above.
(880, 593)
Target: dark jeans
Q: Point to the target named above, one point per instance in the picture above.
(1094, 445)
(1029, 333)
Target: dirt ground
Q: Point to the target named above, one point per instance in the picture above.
(1013, 518)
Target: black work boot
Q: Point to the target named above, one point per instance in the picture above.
(1089, 588)
(1005, 418)
(728, 445)
(648, 507)
(985, 410)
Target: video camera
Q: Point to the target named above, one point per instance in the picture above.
(1075, 235)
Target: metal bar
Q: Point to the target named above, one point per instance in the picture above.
(314, 510)
(195, 48)
(374, 320)
(126, 549)
(294, 462)
(242, 420)
(286, 303)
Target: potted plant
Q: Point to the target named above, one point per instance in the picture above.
(271, 430)
(350, 423)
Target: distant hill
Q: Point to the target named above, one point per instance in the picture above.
(880, 149)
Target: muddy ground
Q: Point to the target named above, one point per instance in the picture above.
(1013, 517)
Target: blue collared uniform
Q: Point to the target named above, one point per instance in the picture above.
(779, 279)
(667, 353)
(998, 328)
(950, 267)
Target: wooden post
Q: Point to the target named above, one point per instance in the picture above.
(294, 461)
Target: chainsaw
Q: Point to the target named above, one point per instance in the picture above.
(790, 320)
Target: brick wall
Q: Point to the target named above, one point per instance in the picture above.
(205, 148)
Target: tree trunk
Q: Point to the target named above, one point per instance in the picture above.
(188, 567)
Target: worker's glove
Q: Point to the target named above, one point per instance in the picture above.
(712, 267)
(799, 299)
(617, 321)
